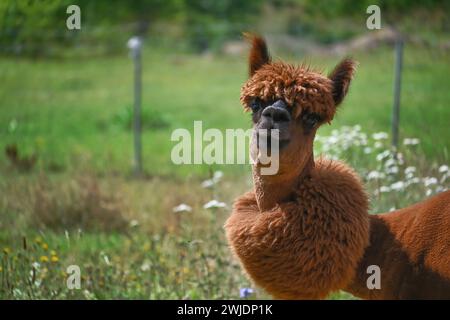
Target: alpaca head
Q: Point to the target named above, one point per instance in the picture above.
(296, 100)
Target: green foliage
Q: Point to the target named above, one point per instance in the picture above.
(150, 119)
(26, 25)
(38, 27)
(211, 22)
(346, 8)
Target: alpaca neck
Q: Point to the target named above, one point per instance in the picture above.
(271, 190)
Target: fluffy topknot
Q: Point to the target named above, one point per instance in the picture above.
(299, 86)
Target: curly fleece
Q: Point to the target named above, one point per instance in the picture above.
(308, 247)
(322, 239)
(296, 85)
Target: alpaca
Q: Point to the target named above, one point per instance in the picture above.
(305, 231)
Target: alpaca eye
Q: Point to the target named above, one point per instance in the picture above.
(255, 105)
(310, 120)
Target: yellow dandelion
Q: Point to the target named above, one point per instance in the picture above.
(44, 246)
(6, 250)
(132, 277)
(38, 240)
(44, 259)
(53, 253)
(185, 270)
(146, 246)
(1, 269)
(44, 272)
(54, 259)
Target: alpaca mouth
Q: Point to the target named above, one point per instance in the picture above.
(265, 142)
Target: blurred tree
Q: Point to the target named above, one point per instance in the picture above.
(37, 27)
(211, 22)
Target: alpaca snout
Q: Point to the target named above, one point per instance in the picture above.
(275, 117)
(277, 113)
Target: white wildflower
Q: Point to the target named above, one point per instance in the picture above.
(390, 162)
(134, 223)
(411, 141)
(392, 170)
(378, 145)
(105, 257)
(414, 180)
(182, 208)
(145, 266)
(367, 150)
(375, 175)
(428, 181)
(214, 204)
(88, 295)
(17, 293)
(443, 168)
(400, 159)
(383, 155)
(217, 176)
(380, 135)
(410, 170)
(384, 189)
(207, 183)
(399, 185)
(332, 140)
(429, 192)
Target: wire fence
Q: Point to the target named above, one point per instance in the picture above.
(94, 40)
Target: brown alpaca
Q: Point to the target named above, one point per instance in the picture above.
(305, 231)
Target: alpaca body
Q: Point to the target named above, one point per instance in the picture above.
(305, 230)
(412, 248)
(320, 242)
(308, 246)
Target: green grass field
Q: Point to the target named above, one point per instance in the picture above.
(67, 110)
(80, 206)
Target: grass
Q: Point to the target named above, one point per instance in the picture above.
(79, 204)
(72, 111)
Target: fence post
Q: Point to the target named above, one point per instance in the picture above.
(135, 45)
(397, 90)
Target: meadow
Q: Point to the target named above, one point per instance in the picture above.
(80, 205)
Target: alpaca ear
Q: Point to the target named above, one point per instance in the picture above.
(341, 77)
(259, 54)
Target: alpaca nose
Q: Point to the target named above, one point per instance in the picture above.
(277, 112)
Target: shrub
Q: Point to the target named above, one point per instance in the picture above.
(78, 203)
